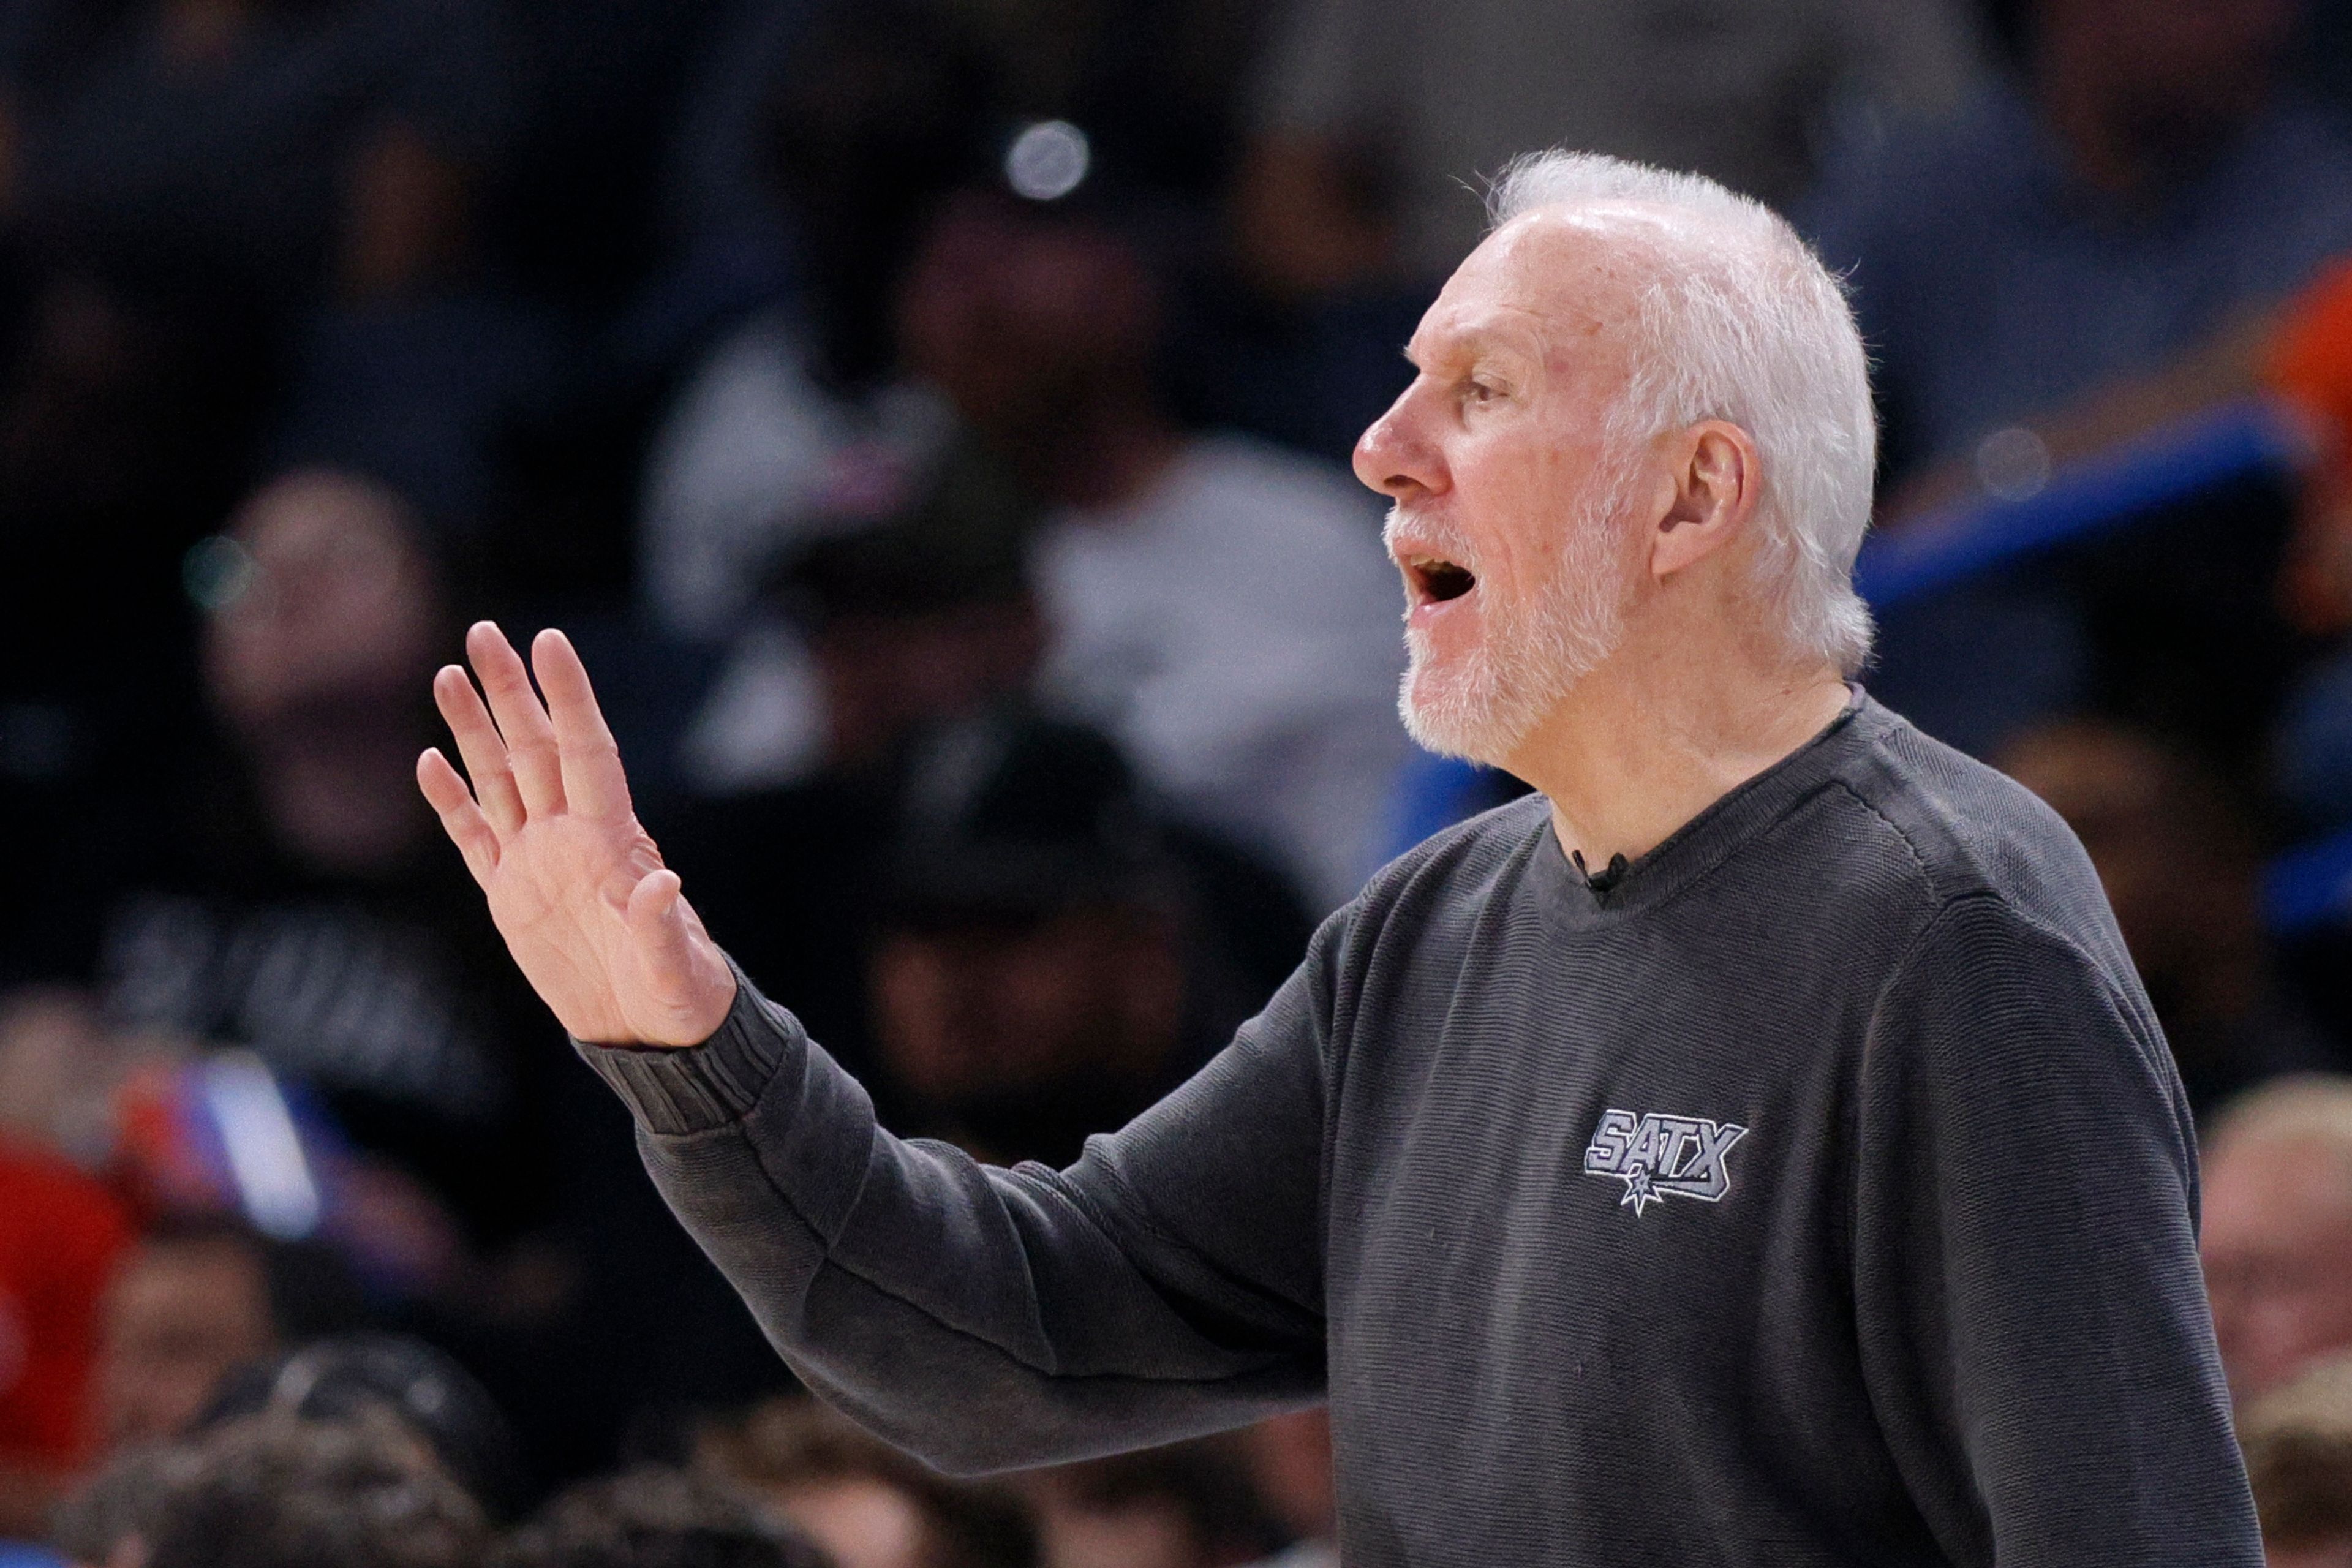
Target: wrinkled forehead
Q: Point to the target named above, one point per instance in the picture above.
(1550, 281)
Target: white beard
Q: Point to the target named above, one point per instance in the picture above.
(1533, 647)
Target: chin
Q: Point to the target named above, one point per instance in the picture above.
(1457, 711)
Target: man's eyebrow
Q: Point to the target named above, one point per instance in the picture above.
(1469, 344)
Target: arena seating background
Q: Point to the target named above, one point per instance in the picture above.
(929, 417)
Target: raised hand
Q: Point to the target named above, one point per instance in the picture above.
(577, 889)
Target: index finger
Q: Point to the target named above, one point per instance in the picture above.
(595, 783)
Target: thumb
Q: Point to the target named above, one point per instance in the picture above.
(682, 969)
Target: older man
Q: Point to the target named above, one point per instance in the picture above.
(1805, 1183)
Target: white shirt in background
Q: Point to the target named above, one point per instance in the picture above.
(1236, 627)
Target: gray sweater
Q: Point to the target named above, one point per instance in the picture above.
(1818, 1191)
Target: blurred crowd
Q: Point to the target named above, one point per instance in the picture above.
(931, 420)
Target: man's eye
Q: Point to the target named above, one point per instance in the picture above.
(1479, 392)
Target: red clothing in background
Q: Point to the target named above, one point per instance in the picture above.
(60, 1235)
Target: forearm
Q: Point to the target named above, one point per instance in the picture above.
(984, 1319)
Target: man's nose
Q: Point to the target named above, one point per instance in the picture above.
(1395, 456)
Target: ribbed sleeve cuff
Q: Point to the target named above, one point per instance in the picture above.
(696, 1089)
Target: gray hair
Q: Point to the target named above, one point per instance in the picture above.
(1740, 321)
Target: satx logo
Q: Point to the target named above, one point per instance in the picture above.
(1662, 1156)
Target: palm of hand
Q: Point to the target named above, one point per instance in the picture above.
(575, 884)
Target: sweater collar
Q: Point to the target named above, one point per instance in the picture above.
(1718, 831)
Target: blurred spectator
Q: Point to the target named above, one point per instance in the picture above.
(60, 1236)
(261, 150)
(274, 1492)
(1222, 609)
(654, 1518)
(295, 899)
(1265, 708)
(191, 183)
(1048, 964)
(2085, 251)
(1289, 1462)
(792, 421)
(1376, 117)
(2126, 205)
(2277, 1232)
(60, 1070)
(914, 610)
(1185, 1506)
(192, 1301)
(2298, 1445)
(919, 614)
(345, 1378)
(2181, 870)
(869, 1505)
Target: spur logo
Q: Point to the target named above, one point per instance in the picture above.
(1662, 1156)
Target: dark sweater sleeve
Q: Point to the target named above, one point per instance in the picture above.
(2031, 1318)
(1167, 1285)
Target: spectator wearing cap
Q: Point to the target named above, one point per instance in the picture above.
(913, 607)
(1050, 958)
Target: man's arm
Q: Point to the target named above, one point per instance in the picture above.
(2031, 1313)
(1167, 1284)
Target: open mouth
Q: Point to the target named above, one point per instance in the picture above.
(1438, 580)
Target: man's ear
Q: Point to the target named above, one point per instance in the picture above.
(1714, 474)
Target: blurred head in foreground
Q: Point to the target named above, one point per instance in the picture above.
(2298, 1446)
(274, 1491)
(654, 1518)
(1188, 1505)
(2277, 1235)
(1640, 440)
(866, 1503)
(353, 1377)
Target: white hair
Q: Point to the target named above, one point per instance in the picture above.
(1738, 320)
